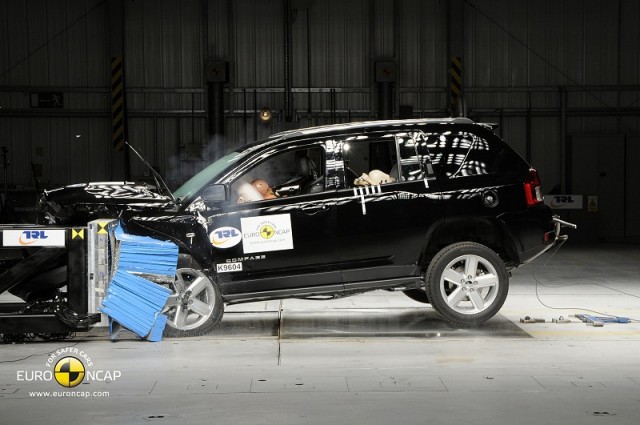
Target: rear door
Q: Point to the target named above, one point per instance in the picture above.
(382, 226)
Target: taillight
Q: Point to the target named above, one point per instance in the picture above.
(532, 189)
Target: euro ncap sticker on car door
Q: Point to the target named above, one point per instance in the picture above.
(267, 233)
(225, 237)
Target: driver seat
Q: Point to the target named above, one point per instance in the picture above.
(312, 183)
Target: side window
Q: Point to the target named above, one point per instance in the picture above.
(388, 159)
(460, 154)
(369, 161)
(410, 162)
(291, 173)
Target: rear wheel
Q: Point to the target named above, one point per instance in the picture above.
(195, 306)
(467, 283)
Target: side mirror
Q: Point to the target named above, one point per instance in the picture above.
(215, 193)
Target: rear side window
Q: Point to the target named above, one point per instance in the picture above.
(463, 153)
(363, 155)
(415, 160)
(389, 158)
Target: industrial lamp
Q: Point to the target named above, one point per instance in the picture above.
(265, 115)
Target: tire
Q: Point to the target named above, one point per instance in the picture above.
(195, 307)
(417, 294)
(467, 283)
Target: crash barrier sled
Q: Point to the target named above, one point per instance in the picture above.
(63, 276)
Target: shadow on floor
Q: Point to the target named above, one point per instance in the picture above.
(359, 323)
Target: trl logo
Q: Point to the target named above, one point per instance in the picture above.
(32, 236)
(563, 199)
(225, 237)
(227, 233)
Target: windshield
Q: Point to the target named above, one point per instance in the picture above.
(205, 176)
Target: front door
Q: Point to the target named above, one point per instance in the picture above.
(277, 233)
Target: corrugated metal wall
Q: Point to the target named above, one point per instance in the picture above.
(60, 44)
(520, 57)
(519, 60)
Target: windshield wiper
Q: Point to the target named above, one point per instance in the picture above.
(156, 175)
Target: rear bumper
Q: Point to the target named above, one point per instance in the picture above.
(533, 232)
(555, 237)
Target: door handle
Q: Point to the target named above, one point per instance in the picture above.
(314, 209)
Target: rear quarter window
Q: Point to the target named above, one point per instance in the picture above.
(462, 153)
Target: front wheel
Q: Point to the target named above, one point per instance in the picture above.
(195, 306)
(467, 283)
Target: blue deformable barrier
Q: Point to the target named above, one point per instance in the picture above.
(143, 254)
(133, 301)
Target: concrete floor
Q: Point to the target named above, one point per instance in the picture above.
(377, 358)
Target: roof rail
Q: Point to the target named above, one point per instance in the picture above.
(367, 124)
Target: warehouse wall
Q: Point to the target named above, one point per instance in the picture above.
(545, 47)
(45, 44)
(520, 60)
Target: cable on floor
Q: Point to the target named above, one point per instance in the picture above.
(552, 253)
(35, 354)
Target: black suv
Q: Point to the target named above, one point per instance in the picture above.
(441, 209)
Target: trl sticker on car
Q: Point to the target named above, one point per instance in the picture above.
(225, 237)
(229, 267)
